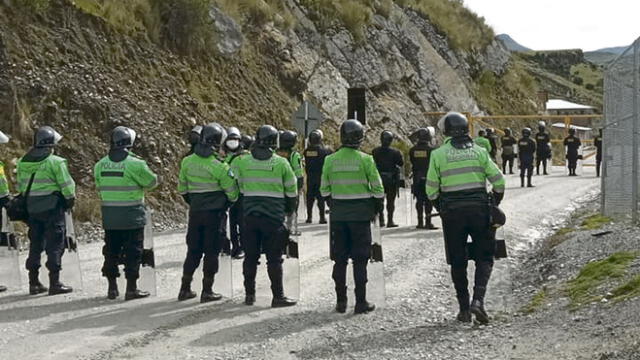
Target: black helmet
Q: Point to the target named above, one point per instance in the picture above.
(315, 138)
(572, 131)
(386, 138)
(212, 135)
(266, 137)
(288, 139)
(481, 133)
(542, 126)
(455, 125)
(46, 137)
(246, 141)
(351, 133)
(507, 132)
(526, 132)
(490, 131)
(420, 136)
(194, 134)
(122, 138)
(233, 133)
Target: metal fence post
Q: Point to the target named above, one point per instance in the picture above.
(636, 120)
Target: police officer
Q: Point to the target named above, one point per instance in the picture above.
(353, 188)
(194, 137)
(4, 196)
(247, 141)
(233, 149)
(508, 143)
(270, 193)
(543, 148)
(526, 149)
(456, 184)
(419, 156)
(598, 143)
(52, 193)
(483, 142)
(121, 179)
(493, 140)
(314, 157)
(389, 163)
(207, 184)
(572, 144)
(287, 141)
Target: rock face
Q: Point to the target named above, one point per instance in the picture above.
(407, 67)
(227, 31)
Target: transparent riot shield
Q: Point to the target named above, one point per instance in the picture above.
(71, 273)
(408, 203)
(147, 280)
(579, 167)
(291, 263)
(376, 291)
(9, 251)
(501, 245)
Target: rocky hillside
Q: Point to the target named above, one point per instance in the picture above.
(160, 67)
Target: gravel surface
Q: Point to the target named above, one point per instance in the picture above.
(416, 323)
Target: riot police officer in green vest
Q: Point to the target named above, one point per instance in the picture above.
(456, 184)
(208, 185)
(287, 141)
(233, 149)
(122, 178)
(354, 191)
(52, 193)
(269, 188)
(4, 196)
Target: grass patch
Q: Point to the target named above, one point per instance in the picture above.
(580, 290)
(627, 290)
(536, 302)
(514, 92)
(594, 222)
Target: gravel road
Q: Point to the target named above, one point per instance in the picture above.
(416, 323)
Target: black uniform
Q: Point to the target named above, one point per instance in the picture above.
(543, 151)
(389, 163)
(314, 157)
(573, 144)
(419, 156)
(493, 140)
(236, 222)
(508, 152)
(598, 144)
(526, 149)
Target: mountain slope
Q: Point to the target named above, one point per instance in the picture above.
(511, 44)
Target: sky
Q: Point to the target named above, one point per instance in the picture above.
(563, 24)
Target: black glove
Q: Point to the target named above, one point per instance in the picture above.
(515, 156)
(497, 196)
(378, 205)
(436, 204)
(186, 199)
(68, 203)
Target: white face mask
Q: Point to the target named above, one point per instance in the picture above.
(233, 144)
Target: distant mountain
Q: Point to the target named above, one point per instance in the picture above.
(613, 50)
(511, 44)
(605, 55)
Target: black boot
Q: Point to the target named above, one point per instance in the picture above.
(362, 305)
(420, 211)
(461, 284)
(249, 272)
(277, 288)
(390, 223)
(185, 290)
(529, 184)
(545, 170)
(341, 299)
(3, 288)
(133, 292)
(309, 212)
(323, 218)
(482, 276)
(55, 286)
(35, 286)
(521, 181)
(207, 291)
(429, 225)
(381, 219)
(112, 292)
(321, 210)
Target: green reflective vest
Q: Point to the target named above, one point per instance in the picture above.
(265, 184)
(483, 142)
(51, 181)
(121, 186)
(350, 177)
(452, 170)
(208, 182)
(4, 185)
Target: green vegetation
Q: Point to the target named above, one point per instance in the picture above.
(464, 28)
(627, 290)
(536, 302)
(35, 5)
(591, 76)
(594, 222)
(511, 93)
(580, 290)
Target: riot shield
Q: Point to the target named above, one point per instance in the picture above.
(9, 251)
(408, 202)
(147, 280)
(71, 273)
(579, 167)
(376, 291)
(291, 263)
(501, 245)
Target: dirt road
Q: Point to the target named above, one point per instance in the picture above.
(416, 322)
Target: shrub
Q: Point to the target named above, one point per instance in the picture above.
(186, 25)
(34, 5)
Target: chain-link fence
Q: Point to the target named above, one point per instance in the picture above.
(621, 134)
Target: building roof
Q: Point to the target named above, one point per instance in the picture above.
(579, 128)
(558, 104)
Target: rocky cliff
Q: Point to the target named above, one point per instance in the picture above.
(85, 68)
